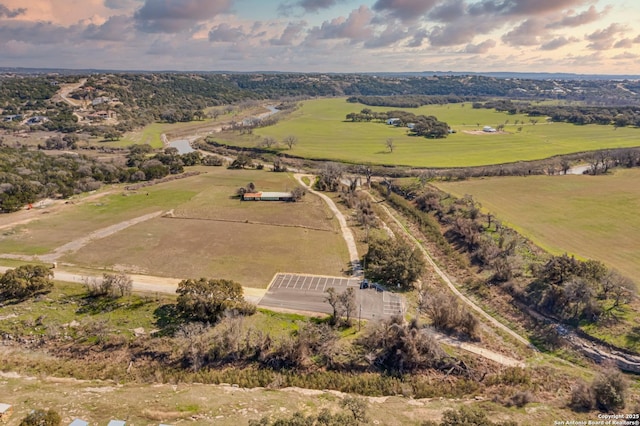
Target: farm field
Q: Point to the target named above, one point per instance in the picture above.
(592, 217)
(323, 133)
(211, 233)
(152, 133)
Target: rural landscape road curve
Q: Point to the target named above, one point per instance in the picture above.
(450, 284)
(346, 231)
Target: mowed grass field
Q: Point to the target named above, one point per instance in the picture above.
(593, 217)
(323, 133)
(212, 234)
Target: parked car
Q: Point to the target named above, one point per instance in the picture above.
(364, 284)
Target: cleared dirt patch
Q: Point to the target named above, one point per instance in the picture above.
(248, 253)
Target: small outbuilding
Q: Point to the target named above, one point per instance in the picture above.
(116, 423)
(78, 422)
(393, 121)
(267, 196)
(5, 412)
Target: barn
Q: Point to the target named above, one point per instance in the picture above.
(267, 196)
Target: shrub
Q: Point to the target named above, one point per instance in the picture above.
(42, 418)
(520, 399)
(582, 398)
(609, 390)
(25, 281)
(206, 300)
(114, 285)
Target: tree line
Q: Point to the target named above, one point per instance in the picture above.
(617, 116)
(409, 101)
(419, 125)
(27, 176)
(568, 289)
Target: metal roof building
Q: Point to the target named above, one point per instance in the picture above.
(268, 196)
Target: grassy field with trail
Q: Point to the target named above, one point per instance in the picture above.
(593, 217)
(323, 133)
(211, 232)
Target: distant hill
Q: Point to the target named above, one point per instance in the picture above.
(501, 75)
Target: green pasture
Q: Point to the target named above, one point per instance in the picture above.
(593, 217)
(151, 134)
(323, 133)
(75, 221)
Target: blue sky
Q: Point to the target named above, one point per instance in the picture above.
(581, 36)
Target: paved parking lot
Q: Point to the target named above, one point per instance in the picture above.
(307, 293)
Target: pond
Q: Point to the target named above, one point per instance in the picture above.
(182, 145)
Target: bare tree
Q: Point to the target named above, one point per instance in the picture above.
(193, 344)
(347, 300)
(330, 176)
(333, 299)
(269, 142)
(389, 144)
(368, 172)
(297, 193)
(290, 141)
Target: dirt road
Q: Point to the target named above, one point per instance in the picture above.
(77, 244)
(449, 283)
(346, 231)
(46, 206)
(144, 283)
(66, 89)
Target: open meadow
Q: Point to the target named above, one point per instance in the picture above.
(593, 217)
(151, 134)
(205, 231)
(323, 133)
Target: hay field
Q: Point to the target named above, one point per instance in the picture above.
(323, 134)
(211, 233)
(592, 217)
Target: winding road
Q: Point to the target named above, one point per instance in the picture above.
(346, 231)
(449, 283)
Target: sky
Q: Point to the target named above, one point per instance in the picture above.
(576, 36)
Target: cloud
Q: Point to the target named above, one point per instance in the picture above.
(315, 5)
(172, 16)
(558, 42)
(290, 34)
(625, 43)
(418, 38)
(355, 28)
(120, 4)
(462, 31)
(307, 6)
(626, 56)
(116, 28)
(35, 32)
(483, 47)
(225, 33)
(603, 39)
(522, 7)
(390, 35)
(526, 34)
(448, 11)
(405, 10)
(5, 12)
(586, 17)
